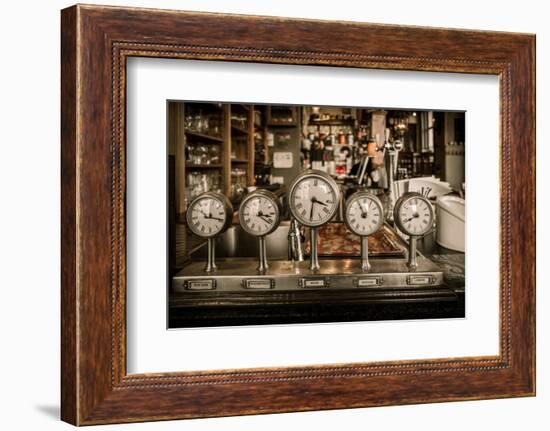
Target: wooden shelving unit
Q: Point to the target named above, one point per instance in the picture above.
(204, 136)
(239, 130)
(202, 166)
(241, 143)
(261, 148)
(347, 122)
(232, 138)
(226, 154)
(282, 116)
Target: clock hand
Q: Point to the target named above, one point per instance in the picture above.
(209, 216)
(265, 218)
(415, 215)
(313, 200)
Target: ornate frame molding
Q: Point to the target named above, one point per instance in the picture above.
(96, 41)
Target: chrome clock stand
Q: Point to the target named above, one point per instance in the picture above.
(364, 216)
(318, 194)
(412, 262)
(211, 260)
(314, 255)
(365, 264)
(208, 216)
(260, 215)
(413, 221)
(262, 262)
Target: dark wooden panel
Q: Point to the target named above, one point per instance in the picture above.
(419, 305)
(69, 390)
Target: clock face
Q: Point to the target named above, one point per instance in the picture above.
(208, 215)
(259, 213)
(414, 214)
(364, 213)
(314, 198)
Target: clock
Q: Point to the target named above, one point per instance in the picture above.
(209, 214)
(413, 214)
(260, 213)
(313, 198)
(364, 213)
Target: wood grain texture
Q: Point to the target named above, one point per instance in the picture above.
(96, 42)
(69, 371)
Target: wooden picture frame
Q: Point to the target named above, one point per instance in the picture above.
(95, 42)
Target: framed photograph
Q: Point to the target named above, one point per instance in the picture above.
(273, 221)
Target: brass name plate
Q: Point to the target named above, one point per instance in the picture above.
(258, 283)
(314, 282)
(367, 281)
(419, 280)
(206, 284)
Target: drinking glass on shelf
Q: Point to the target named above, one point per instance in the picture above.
(200, 182)
(214, 128)
(215, 182)
(189, 121)
(205, 124)
(197, 121)
(202, 154)
(190, 153)
(214, 154)
(239, 120)
(238, 183)
(194, 185)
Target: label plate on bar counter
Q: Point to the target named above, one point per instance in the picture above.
(420, 280)
(314, 282)
(259, 283)
(367, 281)
(241, 275)
(206, 284)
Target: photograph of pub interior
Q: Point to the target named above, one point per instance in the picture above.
(304, 214)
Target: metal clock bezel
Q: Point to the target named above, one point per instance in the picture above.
(267, 195)
(311, 173)
(397, 211)
(228, 213)
(360, 195)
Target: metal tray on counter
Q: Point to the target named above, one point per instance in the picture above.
(335, 239)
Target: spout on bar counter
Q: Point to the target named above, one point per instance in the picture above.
(295, 250)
